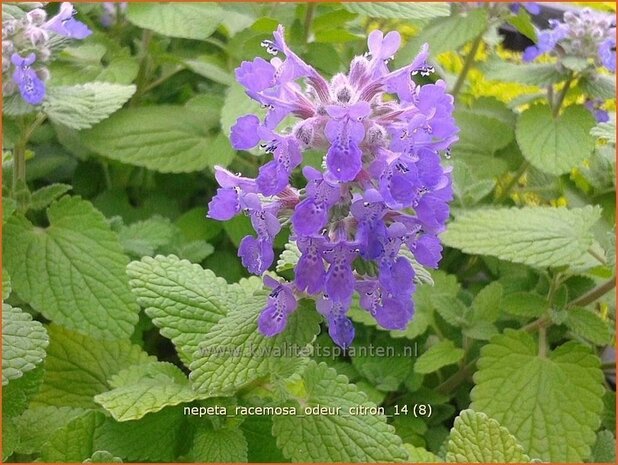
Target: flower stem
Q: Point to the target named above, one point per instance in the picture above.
(561, 96)
(19, 152)
(542, 342)
(308, 20)
(458, 377)
(144, 65)
(506, 190)
(595, 293)
(469, 61)
(19, 164)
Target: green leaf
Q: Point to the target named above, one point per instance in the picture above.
(99, 59)
(145, 237)
(525, 304)
(183, 299)
(83, 106)
(605, 131)
(335, 438)
(532, 74)
(153, 438)
(604, 449)
(103, 456)
(17, 395)
(236, 353)
(210, 68)
(143, 389)
(184, 20)
(23, 343)
(262, 446)
(481, 133)
(416, 10)
(420, 454)
(73, 271)
(220, 445)
(486, 304)
(535, 236)
(6, 284)
(599, 86)
(194, 251)
(388, 366)
(221, 151)
(73, 442)
(10, 438)
(522, 21)
(169, 139)
(551, 404)
(445, 34)
(36, 424)
(439, 355)
(555, 145)
(41, 198)
(477, 438)
(77, 367)
(468, 189)
(589, 325)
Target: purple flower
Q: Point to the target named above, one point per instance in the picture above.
(340, 327)
(31, 87)
(583, 34)
(245, 132)
(530, 7)
(594, 106)
(256, 255)
(339, 283)
(311, 214)
(310, 273)
(381, 188)
(607, 53)
(65, 25)
(225, 205)
(281, 302)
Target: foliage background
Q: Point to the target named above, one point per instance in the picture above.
(113, 278)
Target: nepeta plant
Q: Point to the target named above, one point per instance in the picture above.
(26, 48)
(382, 192)
(586, 34)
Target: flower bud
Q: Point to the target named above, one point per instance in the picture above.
(36, 16)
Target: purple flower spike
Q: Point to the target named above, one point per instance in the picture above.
(585, 34)
(31, 87)
(65, 25)
(381, 188)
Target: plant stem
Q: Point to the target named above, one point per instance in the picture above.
(19, 152)
(561, 96)
(595, 293)
(542, 342)
(518, 174)
(142, 74)
(452, 382)
(598, 257)
(161, 80)
(308, 20)
(469, 61)
(19, 164)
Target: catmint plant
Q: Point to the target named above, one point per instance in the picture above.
(380, 197)
(27, 46)
(585, 34)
